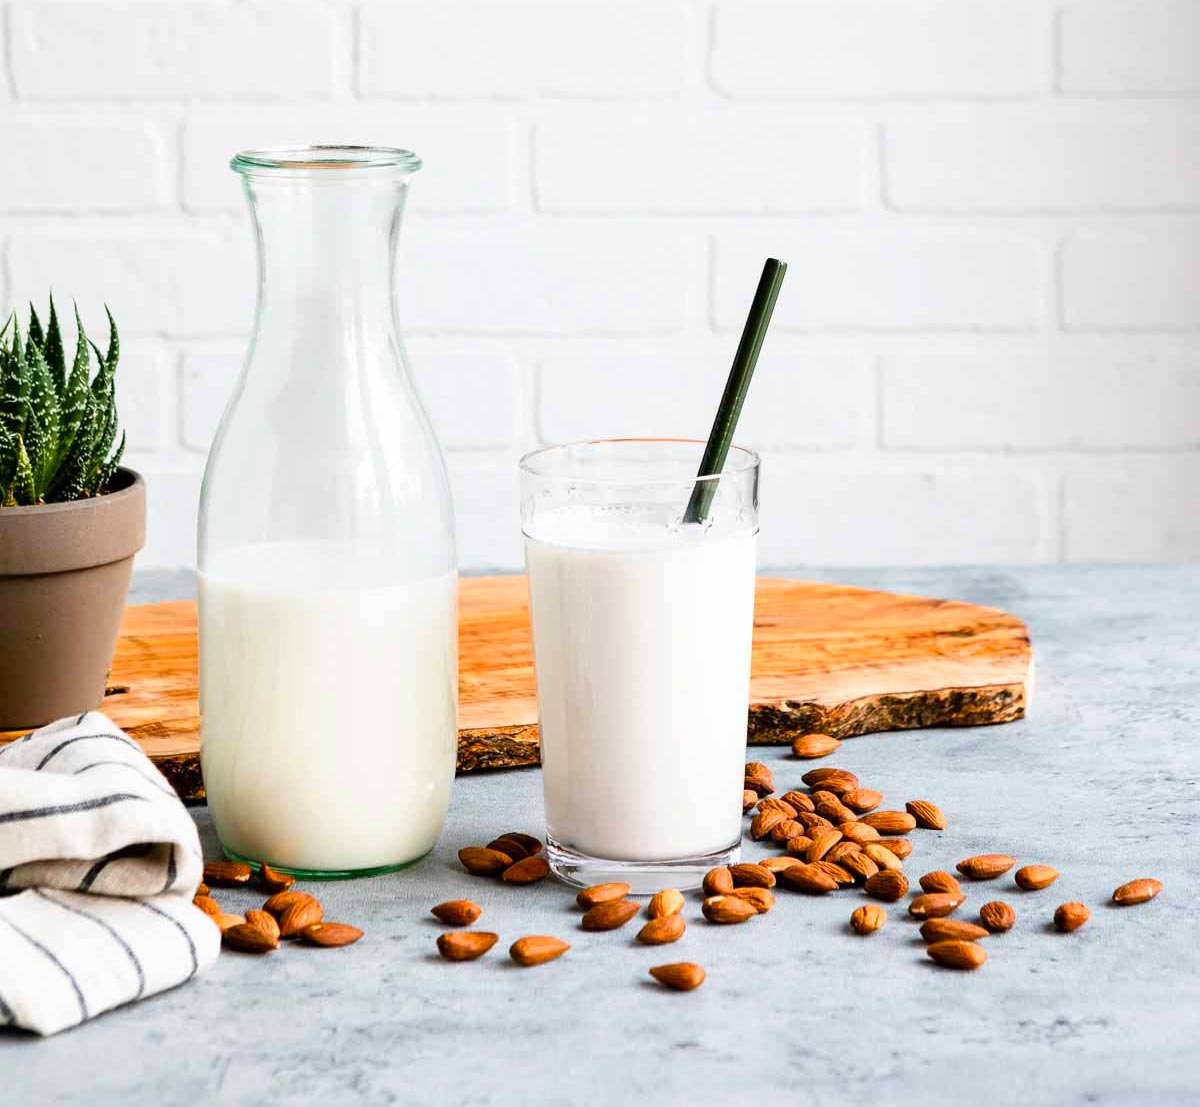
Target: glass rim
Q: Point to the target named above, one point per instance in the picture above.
(749, 460)
(323, 158)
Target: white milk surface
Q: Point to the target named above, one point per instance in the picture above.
(328, 702)
(642, 638)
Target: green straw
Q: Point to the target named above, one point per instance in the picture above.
(730, 409)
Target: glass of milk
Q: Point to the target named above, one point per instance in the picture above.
(328, 615)
(642, 628)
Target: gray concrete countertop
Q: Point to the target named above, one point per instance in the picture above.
(1100, 781)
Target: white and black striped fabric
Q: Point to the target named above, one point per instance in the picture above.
(99, 861)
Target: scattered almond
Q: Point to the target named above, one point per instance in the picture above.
(1033, 878)
(887, 884)
(812, 821)
(758, 778)
(837, 781)
(762, 823)
(835, 811)
(528, 842)
(509, 846)
(859, 865)
(787, 830)
(811, 746)
(717, 881)
(208, 905)
(808, 879)
(901, 847)
(883, 857)
(226, 922)
(868, 918)
(664, 903)
(682, 976)
(203, 889)
(271, 880)
(1071, 916)
(940, 881)
(281, 901)
(246, 938)
(798, 846)
(935, 905)
(890, 822)
(957, 955)
(1137, 891)
(761, 899)
(726, 910)
(986, 866)
(822, 842)
(773, 803)
(299, 915)
(861, 800)
(749, 799)
(777, 864)
(842, 850)
(928, 815)
(331, 935)
(265, 922)
(662, 930)
(481, 861)
(537, 949)
(751, 875)
(997, 916)
(457, 912)
(951, 930)
(797, 801)
(601, 893)
(610, 915)
(465, 945)
(529, 870)
(859, 832)
(227, 874)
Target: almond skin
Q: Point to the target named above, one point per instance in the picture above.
(537, 949)
(888, 885)
(601, 893)
(935, 905)
(331, 935)
(997, 916)
(808, 879)
(798, 846)
(527, 842)
(208, 905)
(667, 902)
(481, 861)
(840, 876)
(1033, 878)
(682, 976)
(457, 912)
(798, 802)
(717, 882)
(465, 945)
(749, 799)
(809, 746)
(901, 847)
(957, 955)
(246, 938)
(835, 811)
(761, 899)
(841, 851)
(951, 930)
(202, 889)
(890, 822)
(281, 901)
(517, 846)
(764, 822)
(271, 880)
(529, 870)
(750, 875)
(940, 881)
(928, 815)
(859, 832)
(758, 778)
(265, 922)
(986, 866)
(1070, 916)
(822, 842)
(787, 830)
(867, 919)
(837, 781)
(299, 915)
(227, 874)
(1137, 891)
(772, 803)
(811, 821)
(883, 857)
(777, 864)
(859, 865)
(662, 930)
(861, 800)
(226, 922)
(610, 915)
(727, 910)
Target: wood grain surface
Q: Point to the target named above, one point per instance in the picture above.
(827, 657)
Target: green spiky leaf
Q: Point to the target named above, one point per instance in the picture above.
(53, 350)
(44, 413)
(34, 334)
(8, 464)
(23, 490)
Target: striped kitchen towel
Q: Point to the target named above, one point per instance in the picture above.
(99, 861)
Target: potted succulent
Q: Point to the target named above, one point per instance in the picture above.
(71, 521)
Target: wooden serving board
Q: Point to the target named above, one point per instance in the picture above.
(827, 657)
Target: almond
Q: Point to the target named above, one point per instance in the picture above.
(986, 866)
(859, 865)
(841, 851)
(662, 930)
(901, 847)
(1137, 891)
(726, 910)
(928, 815)
(749, 799)
(527, 871)
(202, 889)
(537, 949)
(281, 901)
(457, 912)
(835, 811)
(797, 801)
(227, 874)
(935, 905)
(610, 915)
(997, 916)
(951, 930)
(940, 881)
(509, 846)
(868, 918)
(527, 842)
(798, 846)
(839, 875)
(887, 884)
(758, 778)
(299, 915)
(1033, 878)
(957, 955)
(664, 903)
(809, 879)
(682, 976)
(717, 881)
(812, 821)
(225, 922)
(750, 875)
(859, 832)
(882, 856)
(465, 945)
(890, 822)
(601, 893)
(481, 861)
(763, 822)
(837, 781)
(271, 880)
(246, 938)
(778, 864)
(761, 899)
(787, 830)
(1071, 916)
(862, 800)
(331, 935)
(772, 803)
(822, 842)
(265, 922)
(809, 746)
(208, 905)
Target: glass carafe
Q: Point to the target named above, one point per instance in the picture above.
(328, 617)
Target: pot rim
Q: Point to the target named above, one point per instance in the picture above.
(129, 489)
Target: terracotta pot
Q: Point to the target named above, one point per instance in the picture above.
(64, 576)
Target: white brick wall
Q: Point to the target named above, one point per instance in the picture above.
(988, 344)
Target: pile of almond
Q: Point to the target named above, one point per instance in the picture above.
(287, 913)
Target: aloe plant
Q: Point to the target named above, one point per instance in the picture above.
(57, 425)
